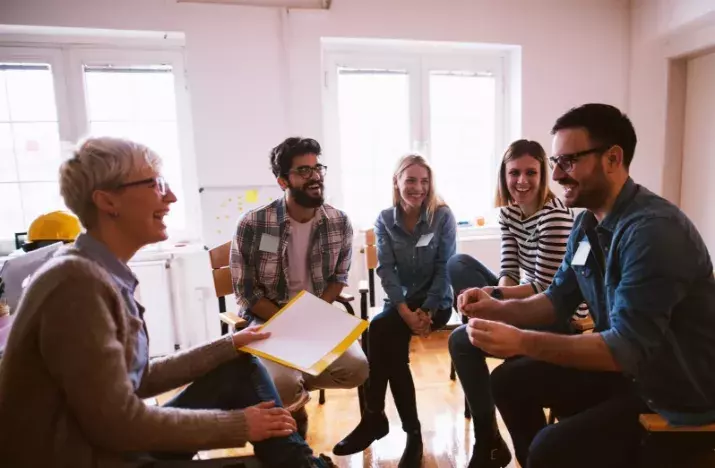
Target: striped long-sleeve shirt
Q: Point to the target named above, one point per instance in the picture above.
(535, 246)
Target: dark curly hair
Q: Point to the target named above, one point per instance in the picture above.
(283, 154)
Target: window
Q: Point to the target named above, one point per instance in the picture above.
(52, 96)
(382, 104)
(138, 103)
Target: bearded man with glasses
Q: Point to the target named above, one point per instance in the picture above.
(297, 242)
(647, 276)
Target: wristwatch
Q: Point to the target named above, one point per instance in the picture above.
(497, 294)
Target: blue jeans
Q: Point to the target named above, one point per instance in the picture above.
(234, 385)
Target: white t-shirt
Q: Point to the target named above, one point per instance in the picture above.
(299, 257)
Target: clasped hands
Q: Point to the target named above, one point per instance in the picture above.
(491, 335)
(417, 320)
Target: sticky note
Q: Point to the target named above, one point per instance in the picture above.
(251, 196)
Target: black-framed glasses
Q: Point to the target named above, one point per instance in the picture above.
(566, 161)
(306, 172)
(161, 185)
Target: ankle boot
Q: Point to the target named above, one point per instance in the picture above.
(490, 454)
(372, 427)
(412, 456)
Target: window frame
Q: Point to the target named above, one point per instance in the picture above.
(419, 59)
(66, 60)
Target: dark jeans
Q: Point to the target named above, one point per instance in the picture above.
(466, 272)
(389, 357)
(237, 384)
(597, 410)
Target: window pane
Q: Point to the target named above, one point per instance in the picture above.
(30, 92)
(462, 122)
(40, 198)
(8, 168)
(11, 211)
(139, 103)
(37, 147)
(130, 94)
(374, 115)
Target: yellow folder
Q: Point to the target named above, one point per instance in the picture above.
(308, 334)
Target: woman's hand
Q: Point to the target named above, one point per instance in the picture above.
(248, 335)
(414, 320)
(266, 420)
(426, 325)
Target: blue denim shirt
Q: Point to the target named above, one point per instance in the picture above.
(648, 281)
(126, 283)
(412, 273)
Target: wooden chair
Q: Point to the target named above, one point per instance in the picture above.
(223, 286)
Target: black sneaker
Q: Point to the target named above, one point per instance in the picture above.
(372, 427)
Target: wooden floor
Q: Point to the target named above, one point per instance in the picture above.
(447, 435)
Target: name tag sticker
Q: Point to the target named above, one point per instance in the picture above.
(425, 239)
(579, 259)
(269, 243)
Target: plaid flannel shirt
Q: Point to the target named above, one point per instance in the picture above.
(258, 274)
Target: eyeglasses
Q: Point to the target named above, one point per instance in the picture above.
(161, 186)
(307, 171)
(566, 161)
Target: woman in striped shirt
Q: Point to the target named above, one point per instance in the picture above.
(535, 226)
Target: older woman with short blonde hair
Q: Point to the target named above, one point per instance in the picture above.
(77, 368)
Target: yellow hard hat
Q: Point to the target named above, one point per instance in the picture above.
(54, 226)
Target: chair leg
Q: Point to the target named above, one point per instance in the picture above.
(321, 398)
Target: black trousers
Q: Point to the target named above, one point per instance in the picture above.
(598, 419)
(389, 358)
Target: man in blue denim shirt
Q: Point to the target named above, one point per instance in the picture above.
(647, 277)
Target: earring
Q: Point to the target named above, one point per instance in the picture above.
(114, 214)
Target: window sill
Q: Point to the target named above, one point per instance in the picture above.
(469, 233)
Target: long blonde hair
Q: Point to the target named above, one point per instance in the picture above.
(433, 201)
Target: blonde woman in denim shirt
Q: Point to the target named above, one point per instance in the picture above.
(415, 238)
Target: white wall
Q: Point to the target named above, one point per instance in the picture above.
(255, 74)
(661, 31)
(698, 191)
(249, 88)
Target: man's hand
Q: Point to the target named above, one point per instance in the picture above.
(495, 338)
(475, 302)
(265, 420)
(248, 335)
(489, 290)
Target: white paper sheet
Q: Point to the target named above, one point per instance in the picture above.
(306, 331)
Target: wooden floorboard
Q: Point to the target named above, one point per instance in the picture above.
(448, 437)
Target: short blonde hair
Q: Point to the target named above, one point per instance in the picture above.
(100, 163)
(432, 201)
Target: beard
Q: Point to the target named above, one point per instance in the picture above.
(301, 196)
(590, 193)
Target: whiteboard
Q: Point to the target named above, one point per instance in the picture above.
(222, 207)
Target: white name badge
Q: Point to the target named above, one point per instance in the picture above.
(579, 259)
(269, 243)
(425, 239)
